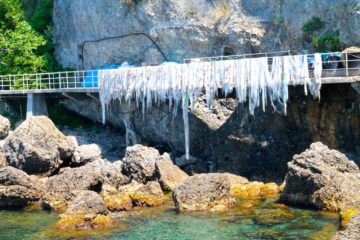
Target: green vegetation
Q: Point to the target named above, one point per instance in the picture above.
(19, 43)
(327, 42)
(314, 24)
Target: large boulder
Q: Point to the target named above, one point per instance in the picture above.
(352, 232)
(169, 175)
(38, 147)
(139, 163)
(86, 211)
(17, 189)
(85, 153)
(204, 192)
(61, 187)
(324, 179)
(110, 173)
(4, 127)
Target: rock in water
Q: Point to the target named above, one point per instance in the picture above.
(87, 211)
(139, 163)
(4, 127)
(204, 192)
(61, 188)
(149, 195)
(169, 174)
(38, 147)
(352, 232)
(17, 189)
(85, 153)
(324, 179)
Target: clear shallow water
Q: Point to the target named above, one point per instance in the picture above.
(265, 220)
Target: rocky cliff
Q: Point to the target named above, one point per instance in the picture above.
(226, 137)
(184, 29)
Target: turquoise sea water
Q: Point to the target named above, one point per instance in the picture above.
(264, 220)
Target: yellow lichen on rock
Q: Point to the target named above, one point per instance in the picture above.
(118, 202)
(79, 221)
(269, 189)
(347, 214)
(146, 200)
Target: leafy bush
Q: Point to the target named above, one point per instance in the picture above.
(314, 24)
(221, 11)
(19, 43)
(327, 43)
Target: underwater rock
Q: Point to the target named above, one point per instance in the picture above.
(139, 163)
(324, 179)
(352, 232)
(204, 192)
(17, 189)
(85, 153)
(86, 211)
(38, 147)
(4, 127)
(168, 173)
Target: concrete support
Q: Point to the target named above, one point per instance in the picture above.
(36, 105)
(356, 87)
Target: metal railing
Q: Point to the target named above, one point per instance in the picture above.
(70, 81)
(338, 67)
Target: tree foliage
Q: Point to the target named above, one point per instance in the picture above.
(19, 42)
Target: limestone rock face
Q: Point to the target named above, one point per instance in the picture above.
(169, 174)
(324, 179)
(139, 163)
(37, 147)
(4, 127)
(352, 232)
(204, 192)
(86, 211)
(85, 153)
(17, 189)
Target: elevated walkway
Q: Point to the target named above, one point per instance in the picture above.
(338, 68)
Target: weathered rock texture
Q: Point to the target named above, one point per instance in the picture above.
(63, 187)
(38, 147)
(169, 174)
(352, 231)
(60, 189)
(85, 153)
(17, 189)
(4, 127)
(3, 162)
(184, 29)
(87, 211)
(324, 179)
(204, 192)
(139, 163)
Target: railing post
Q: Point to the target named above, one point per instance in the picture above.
(347, 64)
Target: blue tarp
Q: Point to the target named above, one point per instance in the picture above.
(91, 77)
